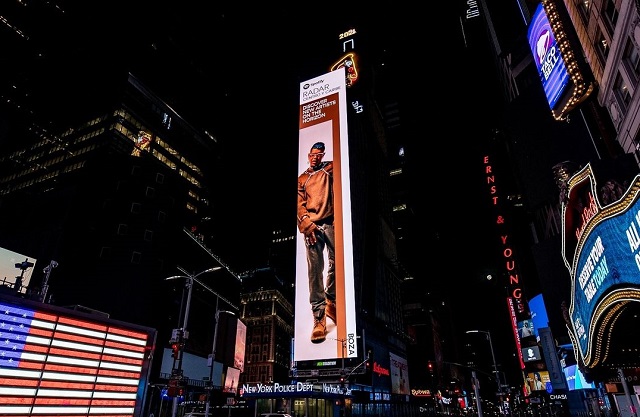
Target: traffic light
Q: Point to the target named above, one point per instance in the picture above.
(343, 379)
(430, 367)
(369, 363)
(175, 349)
(175, 391)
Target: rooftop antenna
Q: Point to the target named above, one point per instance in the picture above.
(45, 280)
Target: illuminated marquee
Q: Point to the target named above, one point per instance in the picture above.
(601, 248)
(561, 77)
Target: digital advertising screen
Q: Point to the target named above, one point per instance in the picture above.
(601, 248)
(10, 270)
(546, 54)
(575, 379)
(324, 246)
(399, 374)
(539, 315)
(531, 354)
(537, 381)
(54, 362)
(241, 340)
(526, 328)
(231, 381)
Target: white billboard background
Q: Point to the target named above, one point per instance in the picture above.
(327, 122)
(303, 349)
(8, 270)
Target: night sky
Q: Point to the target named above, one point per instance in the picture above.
(235, 72)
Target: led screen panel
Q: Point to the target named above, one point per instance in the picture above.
(538, 313)
(241, 340)
(537, 381)
(399, 374)
(575, 379)
(526, 328)
(546, 54)
(602, 248)
(531, 354)
(9, 271)
(231, 381)
(54, 362)
(325, 217)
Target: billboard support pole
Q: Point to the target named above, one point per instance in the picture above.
(191, 278)
(477, 392)
(213, 356)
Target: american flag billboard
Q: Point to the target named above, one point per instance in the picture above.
(54, 362)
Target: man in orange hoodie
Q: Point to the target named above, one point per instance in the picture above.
(315, 222)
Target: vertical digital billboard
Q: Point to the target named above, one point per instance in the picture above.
(325, 322)
(547, 56)
(59, 362)
(241, 340)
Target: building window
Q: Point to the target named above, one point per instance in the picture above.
(136, 208)
(162, 216)
(136, 257)
(611, 14)
(105, 252)
(122, 229)
(160, 178)
(583, 6)
(150, 192)
(148, 235)
(602, 46)
(621, 92)
(631, 61)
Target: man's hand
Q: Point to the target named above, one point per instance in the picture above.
(310, 236)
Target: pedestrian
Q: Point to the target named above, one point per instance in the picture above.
(316, 223)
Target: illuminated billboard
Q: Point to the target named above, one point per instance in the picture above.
(575, 379)
(324, 247)
(537, 381)
(55, 361)
(526, 328)
(230, 340)
(231, 381)
(531, 353)
(241, 340)
(601, 248)
(399, 375)
(547, 56)
(9, 271)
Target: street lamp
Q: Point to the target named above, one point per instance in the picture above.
(213, 356)
(190, 278)
(493, 356)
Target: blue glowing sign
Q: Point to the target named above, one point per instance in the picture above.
(546, 54)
